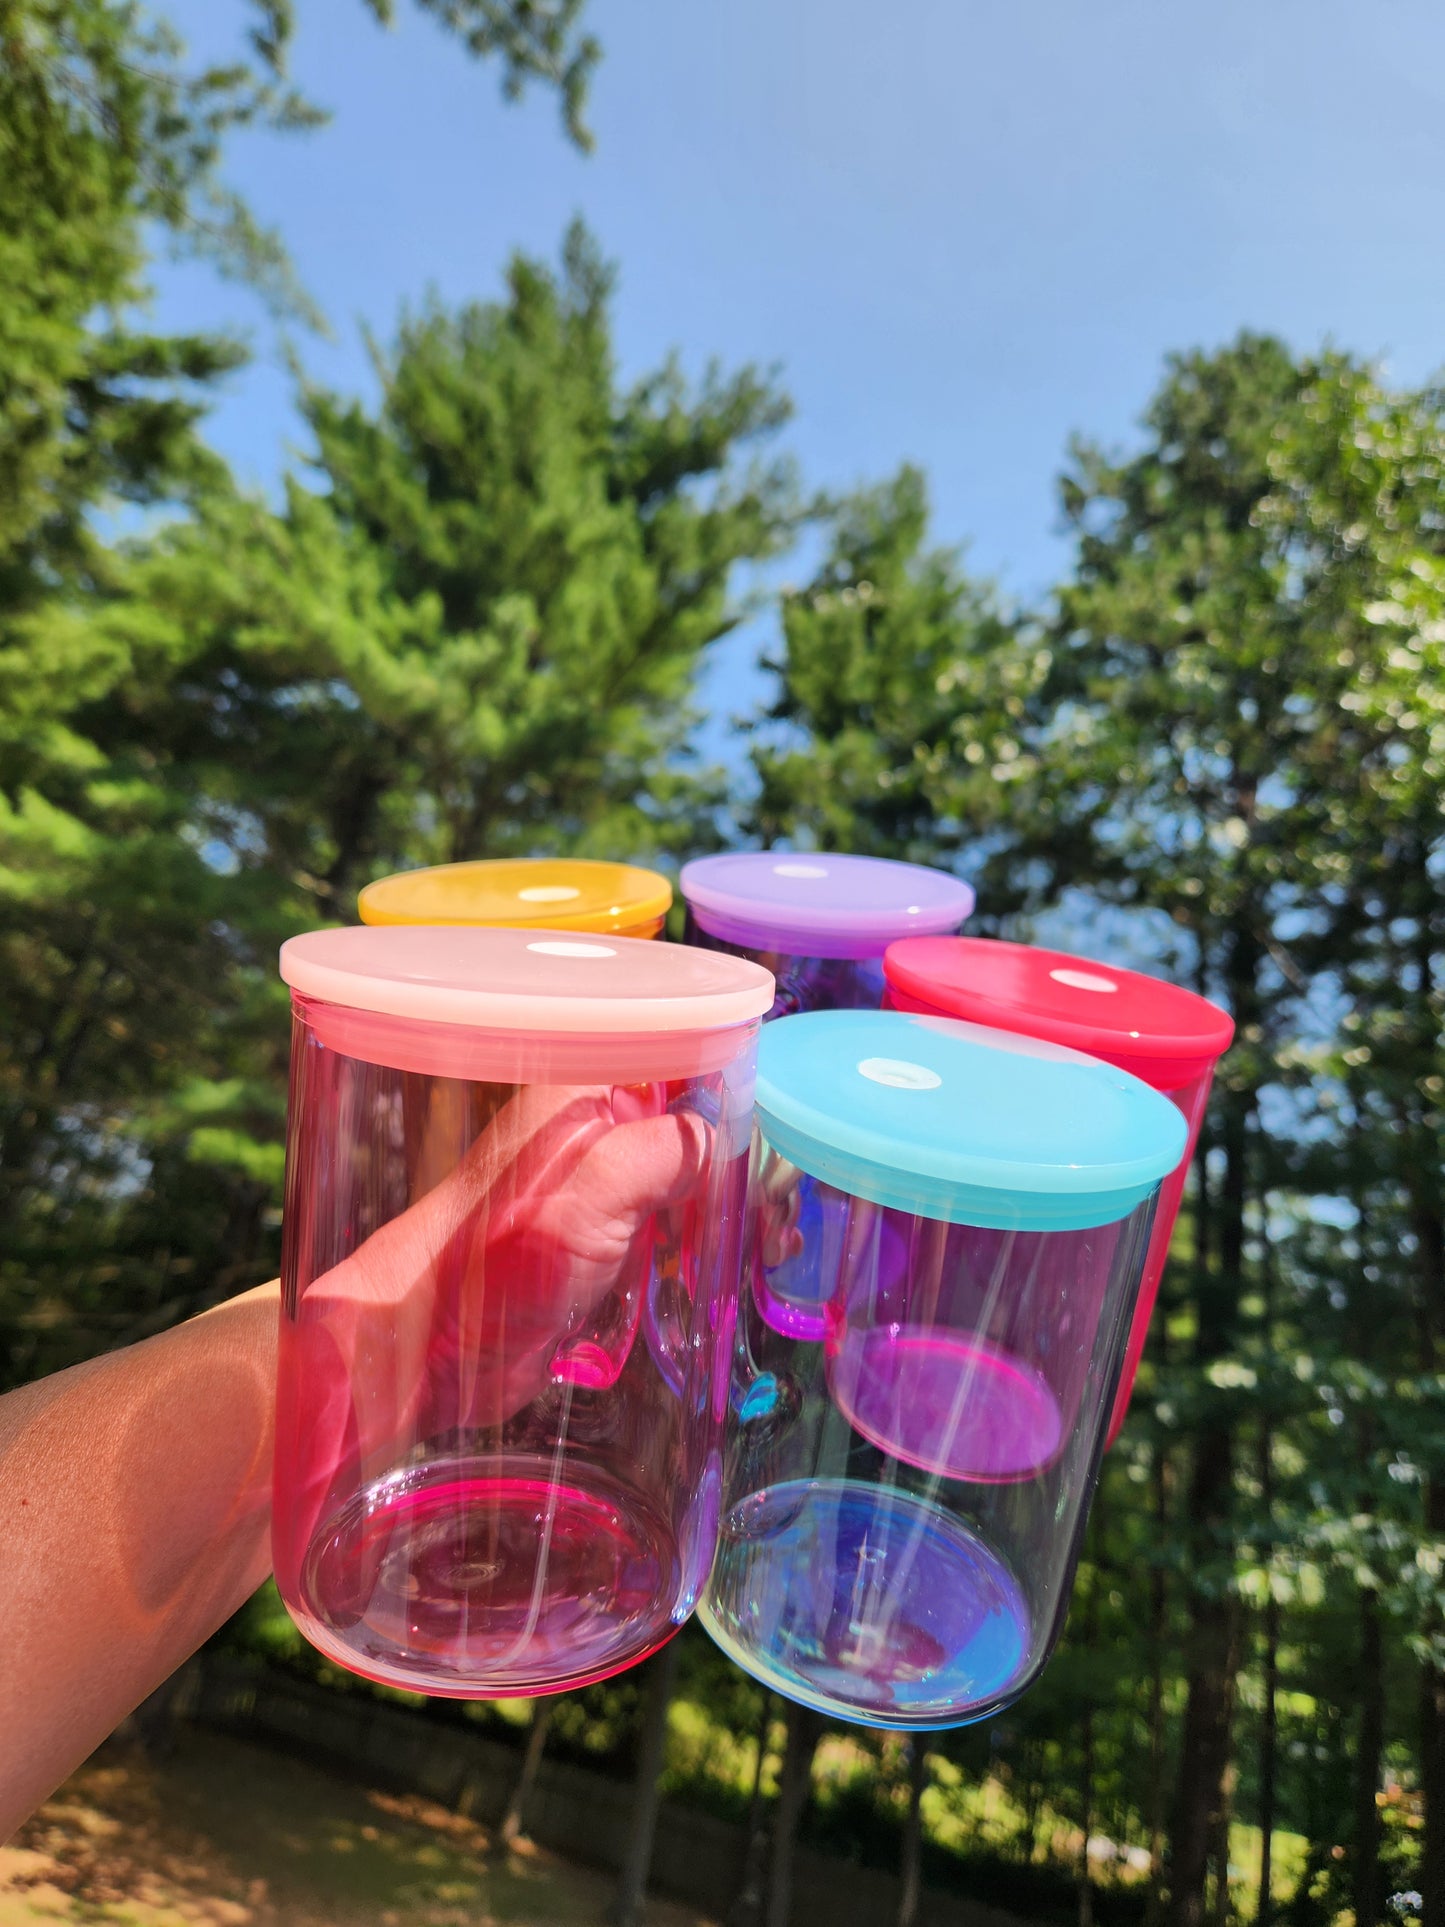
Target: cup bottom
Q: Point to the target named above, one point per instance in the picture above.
(867, 1602)
(947, 1403)
(479, 1577)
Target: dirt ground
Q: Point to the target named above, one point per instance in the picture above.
(230, 1835)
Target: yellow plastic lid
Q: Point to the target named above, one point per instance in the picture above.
(525, 893)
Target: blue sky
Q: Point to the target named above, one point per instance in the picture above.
(963, 230)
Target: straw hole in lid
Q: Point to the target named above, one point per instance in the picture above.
(1083, 980)
(899, 1074)
(563, 947)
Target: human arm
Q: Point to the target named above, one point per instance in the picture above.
(134, 1511)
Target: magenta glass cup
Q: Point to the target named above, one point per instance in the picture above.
(1159, 1032)
(516, 1170)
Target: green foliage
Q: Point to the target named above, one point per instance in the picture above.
(1215, 652)
(1229, 727)
(900, 689)
(129, 957)
(104, 128)
(481, 635)
(535, 40)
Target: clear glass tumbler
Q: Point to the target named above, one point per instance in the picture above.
(947, 1231)
(516, 1170)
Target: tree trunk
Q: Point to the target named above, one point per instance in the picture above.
(1219, 1852)
(514, 1819)
(1033, 1804)
(1432, 1679)
(1432, 1718)
(1427, 1211)
(1212, 1654)
(1204, 1757)
(1088, 1641)
(1212, 1666)
(1268, 1762)
(748, 1905)
(911, 1886)
(1269, 1712)
(353, 828)
(1366, 1882)
(1432, 1763)
(805, 1729)
(642, 1823)
(1158, 1628)
(1086, 1799)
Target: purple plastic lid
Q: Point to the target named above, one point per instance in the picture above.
(812, 905)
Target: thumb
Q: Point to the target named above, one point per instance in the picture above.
(642, 1167)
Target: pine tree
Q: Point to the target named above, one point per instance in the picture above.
(896, 728)
(1230, 730)
(139, 1108)
(479, 637)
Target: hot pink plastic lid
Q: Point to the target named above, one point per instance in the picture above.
(1161, 1033)
(526, 980)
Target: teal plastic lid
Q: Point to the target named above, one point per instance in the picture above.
(956, 1121)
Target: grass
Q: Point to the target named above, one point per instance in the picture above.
(224, 1834)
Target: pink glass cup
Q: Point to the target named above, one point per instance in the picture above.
(516, 1168)
(1168, 1037)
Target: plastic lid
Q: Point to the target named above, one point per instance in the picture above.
(518, 980)
(951, 1120)
(820, 906)
(1161, 1033)
(552, 893)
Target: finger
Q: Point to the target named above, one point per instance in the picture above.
(633, 1101)
(582, 1240)
(780, 1242)
(531, 1146)
(527, 1148)
(636, 1169)
(779, 1178)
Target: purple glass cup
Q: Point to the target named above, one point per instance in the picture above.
(820, 923)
